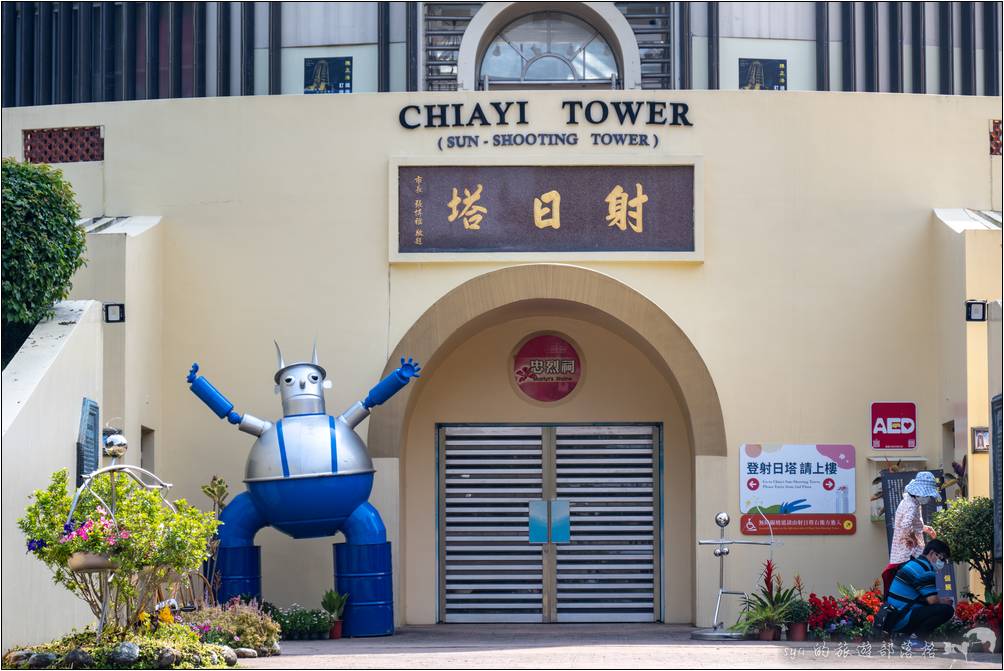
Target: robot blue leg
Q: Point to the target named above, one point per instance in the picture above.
(239, 559)
(363, 571)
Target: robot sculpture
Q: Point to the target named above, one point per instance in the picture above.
(309, 476)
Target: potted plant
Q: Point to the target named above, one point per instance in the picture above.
(141, 546)
(797, 620)
(767, 611)
(320, 624)
(334, 604)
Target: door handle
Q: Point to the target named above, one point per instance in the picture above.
(549, 521)
(561, 527)
(538, 525)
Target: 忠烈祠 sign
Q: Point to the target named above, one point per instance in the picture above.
(894, 426)
(492, 209)
(796, 489)
(546, 367)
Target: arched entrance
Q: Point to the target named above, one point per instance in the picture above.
(640, 369)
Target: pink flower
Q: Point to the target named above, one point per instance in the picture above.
(124, 535)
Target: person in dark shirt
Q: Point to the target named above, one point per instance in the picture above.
(914, 594)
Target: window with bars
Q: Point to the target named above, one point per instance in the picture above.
(652, 24)
(445, 24)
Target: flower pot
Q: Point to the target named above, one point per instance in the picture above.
(88, 561)
(768, 633)
(797, 631)
(336, 630)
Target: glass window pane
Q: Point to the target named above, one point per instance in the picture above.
(549, 69)
(502, 62)
(600, 61)
(560, 47)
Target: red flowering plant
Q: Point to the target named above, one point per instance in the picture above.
(769, 609)
(849, 616)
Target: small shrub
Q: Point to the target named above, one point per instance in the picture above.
(192, 653)
(236, 623)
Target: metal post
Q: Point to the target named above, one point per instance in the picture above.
(152, 50)
(274, 48)
(967, 16)
(713, 46)
(174, 28)
(918, 37)
(991, 49)
(383, 46)
(26, 54)
(127, 48)
(896, 47)
(247, 48)
(43, 51)
(106, 51)
(223, 49)
(199, 50)
(64, 54)
(9, 59)
(871, 47)
(85, 45)
(822, 46)
(946, 48)
(686, 48)
(848, 46)
(411, 43)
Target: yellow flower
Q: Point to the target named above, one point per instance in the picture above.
(165, 615)
(144, 619)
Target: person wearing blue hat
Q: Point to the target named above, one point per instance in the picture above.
(909, 529)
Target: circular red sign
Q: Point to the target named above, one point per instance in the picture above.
(829, 484)
(753, 484)
(547, 368)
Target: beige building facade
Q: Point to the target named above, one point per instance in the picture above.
(823, 280)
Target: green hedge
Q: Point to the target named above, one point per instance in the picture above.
(42, 244)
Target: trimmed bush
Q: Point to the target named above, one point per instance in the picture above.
(967, 525)
(42, 244)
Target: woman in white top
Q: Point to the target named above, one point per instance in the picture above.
(909, 528)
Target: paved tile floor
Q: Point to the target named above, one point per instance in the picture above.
(583, 646)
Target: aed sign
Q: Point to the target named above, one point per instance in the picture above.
(894, 426)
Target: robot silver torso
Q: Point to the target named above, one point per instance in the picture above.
(306, 442)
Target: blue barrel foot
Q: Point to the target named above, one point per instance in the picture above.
(364, 573)
(240, 569)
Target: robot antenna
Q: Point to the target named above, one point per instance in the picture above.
(278, 352)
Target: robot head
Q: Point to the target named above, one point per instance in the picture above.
(301, 385)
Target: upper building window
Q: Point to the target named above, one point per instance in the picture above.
(549, 48)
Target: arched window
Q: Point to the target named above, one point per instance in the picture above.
(549, 48)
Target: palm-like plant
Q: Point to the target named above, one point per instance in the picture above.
(770, 607)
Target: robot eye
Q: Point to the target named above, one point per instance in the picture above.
(314, 377)
(288, 380)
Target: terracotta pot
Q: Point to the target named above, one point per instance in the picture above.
(797, 631)
(88, 561)
(336, 630)
(769, 633)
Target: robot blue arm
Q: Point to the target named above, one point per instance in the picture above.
(392, 384)
(222, 406)
(211, 396)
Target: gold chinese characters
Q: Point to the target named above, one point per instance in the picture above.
(472, 214)
(545, 217)
(623, 211)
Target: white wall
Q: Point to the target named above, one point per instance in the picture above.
(43, 391)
